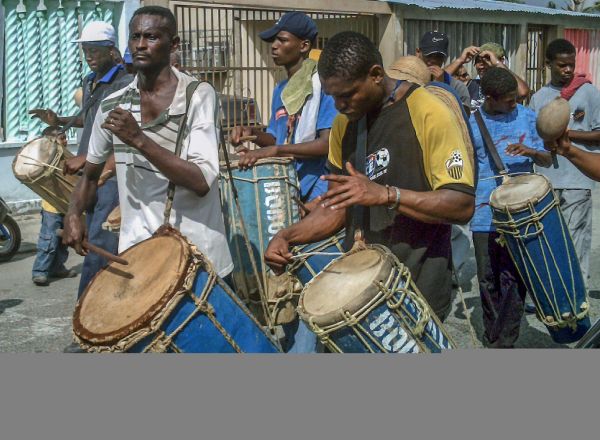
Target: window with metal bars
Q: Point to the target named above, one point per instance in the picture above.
(42, 68)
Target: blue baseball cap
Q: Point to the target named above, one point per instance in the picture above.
(296, 23)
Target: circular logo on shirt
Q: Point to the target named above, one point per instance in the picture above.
(455, 164)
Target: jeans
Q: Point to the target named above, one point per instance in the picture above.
(501, 289)
(107, 199)
(51, 253)
(576, 207)
(298, 338)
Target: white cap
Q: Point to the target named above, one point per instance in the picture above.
(96, 32)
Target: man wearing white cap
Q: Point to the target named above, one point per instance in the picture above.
(98, 43)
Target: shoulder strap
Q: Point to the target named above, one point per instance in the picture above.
(189, 92)
(489, 144)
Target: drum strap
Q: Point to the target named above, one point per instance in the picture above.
(489, 143)
(358, 213)
(189, 92)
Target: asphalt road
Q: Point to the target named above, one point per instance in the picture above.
(38, 319)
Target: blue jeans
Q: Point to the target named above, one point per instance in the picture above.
(298, 338)
(51, 253)
(107, 199)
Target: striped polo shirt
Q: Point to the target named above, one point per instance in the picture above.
(143, 188)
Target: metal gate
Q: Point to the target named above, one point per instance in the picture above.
(537, 38)
(220, 44)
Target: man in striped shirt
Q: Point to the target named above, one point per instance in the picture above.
(140, 122)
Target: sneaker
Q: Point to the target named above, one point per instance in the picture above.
(65, 273)
(529, 308)
(40, 280)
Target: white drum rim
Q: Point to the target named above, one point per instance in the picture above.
(498, 197)
(268, 160)
(354, 303)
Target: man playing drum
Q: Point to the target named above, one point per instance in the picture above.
(301, 113)
(419, 176)
(513, 133)
(140, 122)
(573, 189)
(98, 43)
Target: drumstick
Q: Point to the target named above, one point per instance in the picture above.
(244, 138)
(97, 250)
(40, 162)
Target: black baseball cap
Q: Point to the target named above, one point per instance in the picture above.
(434, 42)
(297, 23)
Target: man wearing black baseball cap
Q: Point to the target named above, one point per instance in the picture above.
(301, 118)
(433, 50)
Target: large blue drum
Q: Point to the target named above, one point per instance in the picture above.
(168, 299)
(366, 302)
(266, 195)
(526, 212)
(310, 259)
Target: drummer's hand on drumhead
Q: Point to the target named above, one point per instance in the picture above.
(355, 189)
(278, 254)
(236, 133)
(46, 115)
(249, 159)
(74, 164)
(123, 125)
(74, 233)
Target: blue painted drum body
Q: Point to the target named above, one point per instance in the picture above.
(182, 308)
(366, 302)
(266, 195)
(310, 259)
(527, 214)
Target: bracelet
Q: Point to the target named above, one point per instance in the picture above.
(396, 203)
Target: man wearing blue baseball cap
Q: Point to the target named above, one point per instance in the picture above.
(301, 118)
(98, 42)
(301, 113)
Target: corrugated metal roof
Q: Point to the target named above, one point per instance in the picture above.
(489, 5)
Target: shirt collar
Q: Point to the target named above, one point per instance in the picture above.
(177, 106)
(108, 76)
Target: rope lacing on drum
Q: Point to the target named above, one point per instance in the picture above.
(510, 227)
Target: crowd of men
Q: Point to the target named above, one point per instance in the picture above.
(423, 169)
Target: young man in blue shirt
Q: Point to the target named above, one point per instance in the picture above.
(512, 129)
(301, 113)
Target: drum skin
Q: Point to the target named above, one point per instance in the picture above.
(265, 193)
(307, 267)
(366, 302)
(167, 299)
(526, 212)
(47, 182)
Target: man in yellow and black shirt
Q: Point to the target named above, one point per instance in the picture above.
(418, 176)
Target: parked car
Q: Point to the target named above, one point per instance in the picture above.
(10, 233)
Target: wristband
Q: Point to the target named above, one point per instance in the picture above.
(396, 203)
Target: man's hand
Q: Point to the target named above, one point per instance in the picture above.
(519, 150)
(355, 189)
(468, 54)
(278, 254)
(46, 115)
(74, 164)
(561, 146)
(124, 126)
(237, 132)
(437, 72)
(490, 59)
(74, 233)
(248, 159)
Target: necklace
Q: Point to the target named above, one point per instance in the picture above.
(392, 96)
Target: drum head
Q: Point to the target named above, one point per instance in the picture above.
(347, 284)
(28, 163)
(517, 192)
(123, 299)
(268, 160)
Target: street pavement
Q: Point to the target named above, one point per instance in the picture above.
(38, 319)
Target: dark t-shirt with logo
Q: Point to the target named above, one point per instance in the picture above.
(413, 144)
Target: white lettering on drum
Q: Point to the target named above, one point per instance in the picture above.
(274, 205)
(392, 336)
(437, 335)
